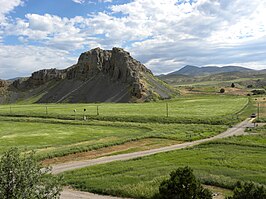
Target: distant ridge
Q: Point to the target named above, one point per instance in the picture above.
(190, 70)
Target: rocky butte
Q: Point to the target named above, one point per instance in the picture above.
(99, 76)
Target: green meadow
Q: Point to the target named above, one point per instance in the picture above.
(210, 109)
(55, 130)
(196, 106)
(52, 138)
(220, 163)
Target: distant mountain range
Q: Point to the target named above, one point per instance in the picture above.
(190, 70)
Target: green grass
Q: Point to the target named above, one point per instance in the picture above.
(219, 163)
(60, 137)
(194, 109)
(191, 118)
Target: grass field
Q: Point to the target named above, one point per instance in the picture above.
(191, 118)
(194, 109)
(66, 137)
(219, 163)
(55, 130)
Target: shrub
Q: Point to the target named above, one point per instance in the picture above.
(248, 191)
(183, 185)
(23, 177)
(222, 90)
(258, 92)
(233, 85)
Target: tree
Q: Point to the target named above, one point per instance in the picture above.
(248, 191)
(233, 85)
(22, 177)
(222, 90)
(183, 185)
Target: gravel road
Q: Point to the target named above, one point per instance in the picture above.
(238, 129)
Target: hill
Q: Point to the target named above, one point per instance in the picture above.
(244, 82)
(99, 76)
(208, 70)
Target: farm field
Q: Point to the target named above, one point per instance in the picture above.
(22, 125)
(260, 103)
(220, 163)
(193, 106)
(68, 137)
(58, 134)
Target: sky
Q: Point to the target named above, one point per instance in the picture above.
(164, 35)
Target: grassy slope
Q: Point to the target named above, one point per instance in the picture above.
(218, 163)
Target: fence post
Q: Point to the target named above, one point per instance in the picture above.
(167, 110)
(97, 109)
(258, 110)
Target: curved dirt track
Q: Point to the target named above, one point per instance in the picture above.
(73, 194)
(238, 129)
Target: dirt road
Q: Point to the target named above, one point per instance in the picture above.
(238, 129)
(73, 194)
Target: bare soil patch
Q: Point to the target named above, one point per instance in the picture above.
(139, 145)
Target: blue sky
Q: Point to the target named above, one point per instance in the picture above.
(165, 35)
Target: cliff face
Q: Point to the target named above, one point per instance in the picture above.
(115, 63)
(3, 83)
(99, 75)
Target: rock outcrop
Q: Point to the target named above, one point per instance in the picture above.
(115, 63)
(99, 75)
(3, 83)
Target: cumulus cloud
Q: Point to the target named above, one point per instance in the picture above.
(61, 33)
(6, 7)
(19, 61)
(164, 34)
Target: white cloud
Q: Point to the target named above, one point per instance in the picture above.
(61, 33)
(94, 2)
(164, 34)
(79, 1)
(17, 61)
(6, 7)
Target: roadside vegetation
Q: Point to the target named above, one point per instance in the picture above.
(219, 163)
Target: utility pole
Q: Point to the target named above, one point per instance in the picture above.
(167, 110)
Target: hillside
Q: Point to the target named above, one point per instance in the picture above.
(208, 70)
(99, 76)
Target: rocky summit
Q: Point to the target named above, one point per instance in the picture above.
(99, 76)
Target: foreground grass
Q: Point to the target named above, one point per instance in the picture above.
(52, 138)
(219, 163)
